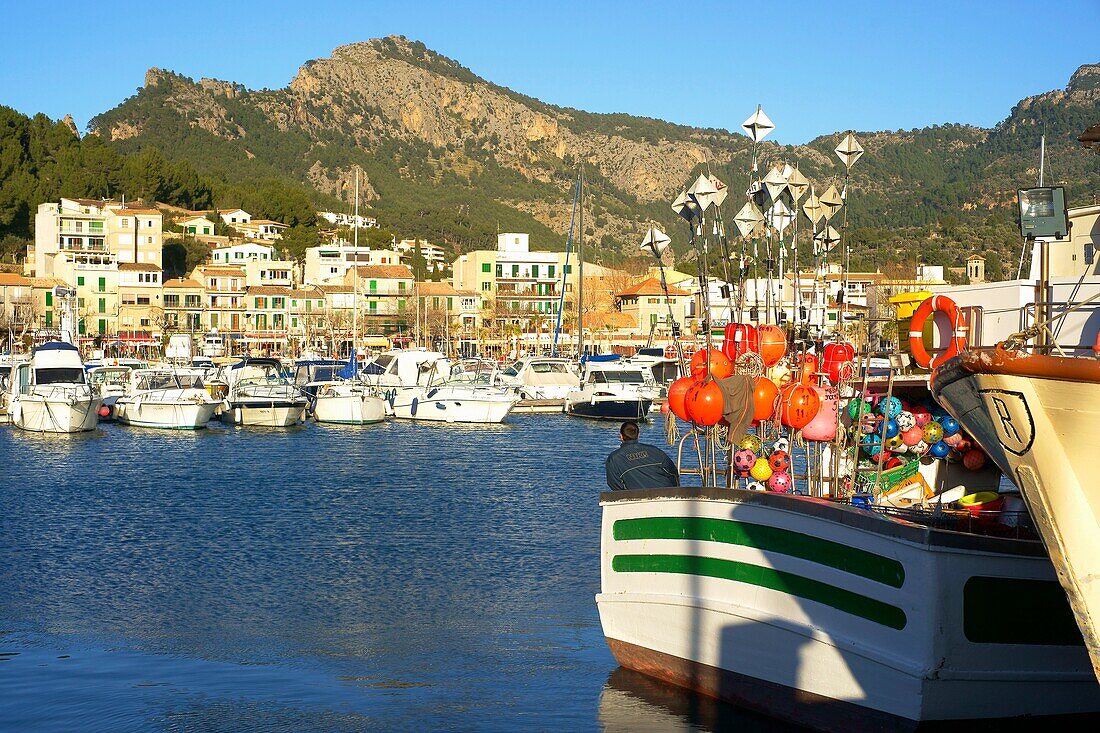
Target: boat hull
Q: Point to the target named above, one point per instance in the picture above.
(608, 408)
(267, 413)
(823, 614)
(353, 409)
(1044, 433)
(451, 410)
(43, 415)
(186, 415)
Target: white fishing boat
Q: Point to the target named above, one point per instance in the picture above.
(612, 390)
(834, 616)
(50, 392)
(260, 395)
(543, 382)
(173, 399)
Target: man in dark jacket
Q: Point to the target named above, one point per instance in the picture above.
(637, 465)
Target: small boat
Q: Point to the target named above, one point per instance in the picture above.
(173, 399)
(612, 390)
(337, 394)
(112, 382)
(260, 395)
(50, 393)
(543, 382)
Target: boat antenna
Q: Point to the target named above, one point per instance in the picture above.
(568, 250)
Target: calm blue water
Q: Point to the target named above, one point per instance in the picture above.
(392, 577)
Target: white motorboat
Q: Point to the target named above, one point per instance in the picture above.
(260, 395)
(6, 362)
(112, 382)
(174, 399)
(612, 390)
(543, 382)
(50, 392)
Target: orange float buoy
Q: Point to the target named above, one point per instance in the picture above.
(720, 365)
(677, 394)
(807, 369)
(763, 398)
(704, 403)
(836, 357)
(800, 405)
(740, 338)
(772, 344)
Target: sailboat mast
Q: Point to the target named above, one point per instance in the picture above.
(580, 269)
(355, 270)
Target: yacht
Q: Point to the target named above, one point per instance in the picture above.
(260, 395)
(337, 393)
(612, 390)
(175, 399)
(50, 393)
(112, 382)
(543, 382)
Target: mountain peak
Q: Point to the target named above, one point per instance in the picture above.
(1086, 78)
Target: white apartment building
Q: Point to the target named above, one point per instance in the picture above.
(433, 254)
(85, 231)
(235, 217)
(329, 263)
(239, 253)
(348, 220)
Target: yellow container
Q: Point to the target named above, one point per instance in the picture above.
(907, 303)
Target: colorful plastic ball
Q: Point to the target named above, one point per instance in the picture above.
(779, 461)
(921, 415)
(677, 393)
(894, 444)
(920, 448)
(743, 461)
(750, 442)
(890, 407)
(974, 459)
(905, 421)
(891, 428)
(755, 486)
(761, 470)
(870, 445)
(720, 365)
(868, 424)
(939, 450)
(950, 426)
(857, 408)
(780, 482)
(704, 403)
(782, 444)
(912, 436)
(933, 433)
(893, 462)
(953, 439)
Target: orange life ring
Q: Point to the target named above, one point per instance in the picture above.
(936, 304)
(670, 352)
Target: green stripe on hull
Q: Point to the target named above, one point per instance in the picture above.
(769, 539)
(777, 580)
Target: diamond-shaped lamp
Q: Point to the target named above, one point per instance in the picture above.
(655, 242)
(747, 218)
(758, 125)
(849, 150)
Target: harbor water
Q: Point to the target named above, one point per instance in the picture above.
(392, 577)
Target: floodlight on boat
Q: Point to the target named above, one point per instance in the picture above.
(1043, 212)
(758, 125)
(655, 242)
(849, 150)
(703, 192)
(685, 206)
(748, 218)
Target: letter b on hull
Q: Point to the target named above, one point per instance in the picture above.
(1011, 418)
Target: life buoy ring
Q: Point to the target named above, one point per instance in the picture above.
(936, 304)
(670, 352)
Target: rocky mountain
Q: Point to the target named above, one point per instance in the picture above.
(453, 157)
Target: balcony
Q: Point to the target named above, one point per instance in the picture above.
(84, 244)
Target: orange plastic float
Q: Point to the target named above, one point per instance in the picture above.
(720, 365)
(800, 405)
(772, 343)
(763, 398)
(677, 394)
(704, 403)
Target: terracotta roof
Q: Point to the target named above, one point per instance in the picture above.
(230, 211)
(181, 283)
(132, 212)
(652, 286)
(269, 221)
(615, 320)
(434, 288)
(138, 267)
(336, 288)
(399, 272)
(221, 270)
(11, 267)
(47, 282)
(11, 278)
(269, 290)
(88, 202)
(318, 293)
(181, 218)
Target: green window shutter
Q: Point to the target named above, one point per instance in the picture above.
(49, 319)
(653, 319)
(534, 270)
(49, 299)
(81, 328)
(374, 305)
(450, 304)
(400, 305)
(373, 285)
(401, 287)
(435, 302)
(102, 326)
(102, 284)
(515, 270)
(485, 267)
(309, 305)
(80, 281)
(102, 309)
(568, 269)
(500, 270)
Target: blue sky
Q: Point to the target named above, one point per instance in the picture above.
(817, 67)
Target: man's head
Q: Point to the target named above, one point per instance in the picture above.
(629, 431)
